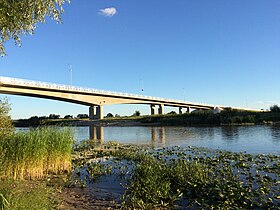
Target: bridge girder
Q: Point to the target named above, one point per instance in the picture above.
(70, 96)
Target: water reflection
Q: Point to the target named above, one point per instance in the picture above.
(96, 133)
(154, 136)
(275, 133)
(252, 139)
(230, 132)
(160, 137)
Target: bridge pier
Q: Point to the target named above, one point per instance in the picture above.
(96, 112)
(152, 109)
(180, 110)
(161, 109)
(188, 110)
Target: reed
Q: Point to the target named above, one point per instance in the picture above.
(36, 153)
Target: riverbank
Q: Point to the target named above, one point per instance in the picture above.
(181, 177)
(228, 117)
(115, 176)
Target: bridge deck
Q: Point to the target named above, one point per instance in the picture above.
(20, 83)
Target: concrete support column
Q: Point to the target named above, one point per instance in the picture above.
(96, 112)
(180, 110)
(152, 109)
(91, 112)
(99, 112)
(188, 110)
(161, 109)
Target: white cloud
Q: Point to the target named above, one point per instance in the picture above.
(108, 12)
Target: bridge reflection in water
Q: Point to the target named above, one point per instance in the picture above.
(96, 133)
(158, 133)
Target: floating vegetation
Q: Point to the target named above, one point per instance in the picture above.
(36, 153)
(188, 177)
(201, 178)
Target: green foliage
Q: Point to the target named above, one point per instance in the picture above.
(15, 195)
(172, 112)
(136, 113)
(68, 117)
(82, 116)
(150, 186)
(22, 16)
(3, 202)
(275, 108)
(6, 126)
(54, 116)
(202, 179)
(109, 115)
(36, 153)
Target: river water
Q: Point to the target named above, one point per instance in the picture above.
(252, 139)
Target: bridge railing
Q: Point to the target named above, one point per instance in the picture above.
(24, 82)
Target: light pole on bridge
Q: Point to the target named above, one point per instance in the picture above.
(142, 87)
(70, 70)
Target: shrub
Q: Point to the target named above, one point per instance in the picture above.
(275, 108)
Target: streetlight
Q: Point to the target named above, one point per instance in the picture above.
(142, 87)
(70, 70)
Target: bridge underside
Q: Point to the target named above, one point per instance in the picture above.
(94, 101)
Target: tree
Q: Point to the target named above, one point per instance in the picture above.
(109, 115)
(172, 112)
(275, 108)
(54, 116)
(6, 125)
(68, 116)
(19, 17)
(136, 113)
(82, 116)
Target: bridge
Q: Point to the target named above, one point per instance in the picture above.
(94, 98)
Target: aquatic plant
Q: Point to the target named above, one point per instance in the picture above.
(210, 179)
(36, 153)
(151, 186)
(188, 177)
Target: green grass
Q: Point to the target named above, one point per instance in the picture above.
(23, 195)
(36, 153)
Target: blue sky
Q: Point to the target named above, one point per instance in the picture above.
(218, 52)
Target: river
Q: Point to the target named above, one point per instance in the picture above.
(252, 139)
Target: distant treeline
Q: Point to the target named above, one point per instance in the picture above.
(197, 117)
(52, 119)
(202, 117)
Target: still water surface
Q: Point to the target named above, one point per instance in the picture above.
(252, 139)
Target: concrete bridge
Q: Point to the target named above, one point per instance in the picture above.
(95, 99)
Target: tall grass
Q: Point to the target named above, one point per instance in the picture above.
(36, 153)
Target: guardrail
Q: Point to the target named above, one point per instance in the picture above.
(39, 84)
